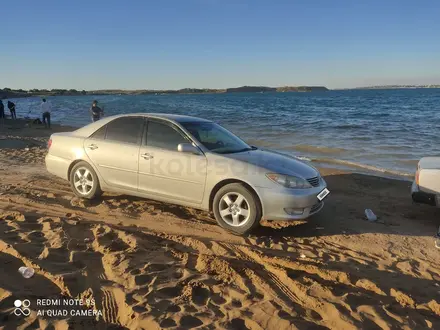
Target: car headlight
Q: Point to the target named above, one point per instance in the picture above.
(289, 181)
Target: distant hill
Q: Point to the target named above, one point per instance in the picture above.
(152, 91)
(302, 89)
(263, 89)
(16, 93)
(250, 89)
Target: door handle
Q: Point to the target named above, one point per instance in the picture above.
(92, 147)
(147, 156)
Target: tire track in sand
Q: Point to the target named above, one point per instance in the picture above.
(109, 306)
(257, 272)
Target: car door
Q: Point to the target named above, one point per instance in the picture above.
(114, 150)
(165, 171)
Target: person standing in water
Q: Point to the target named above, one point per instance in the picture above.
(45, 110)
(96, 111)
(11, 107)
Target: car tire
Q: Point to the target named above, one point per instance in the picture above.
(84, 181)
(237, 209)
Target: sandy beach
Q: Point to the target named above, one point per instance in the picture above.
(150, 265)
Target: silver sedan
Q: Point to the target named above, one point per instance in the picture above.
(187, 161)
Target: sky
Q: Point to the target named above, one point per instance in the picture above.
(172, 44)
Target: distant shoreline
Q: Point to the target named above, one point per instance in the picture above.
(392, 87)
(18, 93)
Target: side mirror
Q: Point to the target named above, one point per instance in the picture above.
(188, 148)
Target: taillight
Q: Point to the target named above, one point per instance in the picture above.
(417, 177)
(49, 143)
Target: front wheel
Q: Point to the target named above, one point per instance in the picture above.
(84, 181)
(236, 209)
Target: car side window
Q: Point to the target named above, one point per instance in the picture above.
(161, 135)
(100, 133)
(125, 130)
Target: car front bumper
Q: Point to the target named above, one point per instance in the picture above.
(291, 204)
(423, 197)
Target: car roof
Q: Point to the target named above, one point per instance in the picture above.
(91, 128)
(168, 116)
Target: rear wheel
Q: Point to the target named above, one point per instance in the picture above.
(84, 181)
(237, 209)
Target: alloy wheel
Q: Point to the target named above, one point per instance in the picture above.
(83, 180)
(234, 209)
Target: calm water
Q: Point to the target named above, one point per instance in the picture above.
(387, 130)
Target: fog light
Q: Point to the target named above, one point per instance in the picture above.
(292, 211)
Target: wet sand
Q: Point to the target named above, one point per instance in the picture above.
(150, 265)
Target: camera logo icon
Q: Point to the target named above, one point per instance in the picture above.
(22, 307)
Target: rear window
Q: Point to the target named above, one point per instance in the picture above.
(100, 133)
(125, 130)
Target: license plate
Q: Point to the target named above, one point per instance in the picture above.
(323, 194)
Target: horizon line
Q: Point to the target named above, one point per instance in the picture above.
(217, 89)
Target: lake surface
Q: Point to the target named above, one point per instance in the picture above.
(371, 130)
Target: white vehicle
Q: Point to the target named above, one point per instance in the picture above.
(426, 186)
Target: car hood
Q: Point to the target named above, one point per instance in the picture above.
(275, 162)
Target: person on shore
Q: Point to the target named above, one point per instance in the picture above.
(11, 107)
(2, 110)
(2, 113)
(45, 110)
(96, 111)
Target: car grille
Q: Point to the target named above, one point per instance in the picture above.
(314, 181)
(315, 207)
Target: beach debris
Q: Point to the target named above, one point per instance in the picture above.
(370, 215)
(302, 256)
(27, 272)
(26, 149)
(72, 222)
(319, 228)
(87, 239)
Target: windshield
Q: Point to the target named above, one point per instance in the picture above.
(216, 138)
